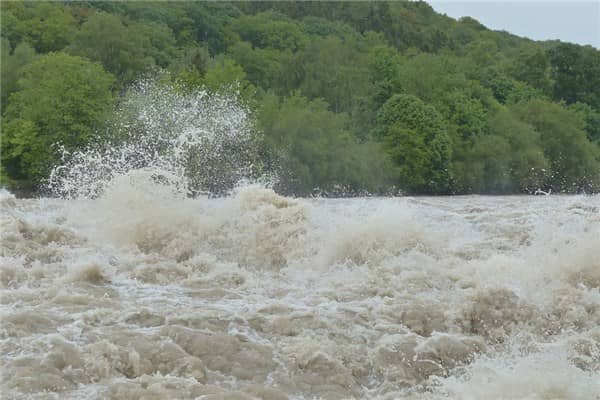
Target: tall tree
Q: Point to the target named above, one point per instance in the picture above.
(46, 26)
(333, 70)
(12, 65)
(532, 67)
(61, 99)
(576, 73)
(123, 51)
(317, 148)
(416, 139)
(573, 159)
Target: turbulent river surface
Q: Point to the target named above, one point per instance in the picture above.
(141, 294)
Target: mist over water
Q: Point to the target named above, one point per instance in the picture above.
(128, 288)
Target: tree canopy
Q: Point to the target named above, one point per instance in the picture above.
(59, 101)
(351, 97)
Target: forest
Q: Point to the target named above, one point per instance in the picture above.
(350, 98)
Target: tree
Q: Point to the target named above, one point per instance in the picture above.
(323, 27)
(123, 51)
(576, 73)
(507, 158)
(208, 21)
(61, 99)
(415, 136)
(317, 149)
(384, 70)
(224, 73)
(591, 118)
(458, 107)
(333, 70)
(10, 23)
(46, 26)
(533, 68)
(161, 44)
(262, 65)
(12, 65)
(573, 159)
(430, 77)
(464, 113)
(270, 30)
(525, 162)
(483, 52)
(507, 90)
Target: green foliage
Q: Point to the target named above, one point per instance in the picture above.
(191, 66)
(483, 52)
(356, 95)
(161, 44)
(415, 136)
(191, 22)
(576, 72)
(262, 65)
(317, 149)
(12, 65)
(573, 160)
(464, 113)
(384, 71)
(332, 70)
(60, 99)
(9, 23)
(123, 50)
(508, 158)
(525, 162)
(403, 24)
(270, 30)
(521, 92)
(591, 119)
(324, 27)
(430, 77)
(22, 148)
(224, 73)
(46, 26)
(533, 68)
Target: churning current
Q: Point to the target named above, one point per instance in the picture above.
(129, 288)
(144, 294)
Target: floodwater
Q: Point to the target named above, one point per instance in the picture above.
(143, 294)
(132, 290)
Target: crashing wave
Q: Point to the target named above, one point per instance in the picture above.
(196, 142)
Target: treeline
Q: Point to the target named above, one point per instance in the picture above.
(351, 96)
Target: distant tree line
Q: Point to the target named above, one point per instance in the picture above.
(353, 96)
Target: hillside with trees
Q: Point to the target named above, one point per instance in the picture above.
(350, 97)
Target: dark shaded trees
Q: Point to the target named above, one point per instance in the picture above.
(123, 50)
(576, 73)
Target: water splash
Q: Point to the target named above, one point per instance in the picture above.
(195, 142)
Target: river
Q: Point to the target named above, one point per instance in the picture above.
(142, 294)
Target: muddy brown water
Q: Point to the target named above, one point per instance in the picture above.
(143, 295)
